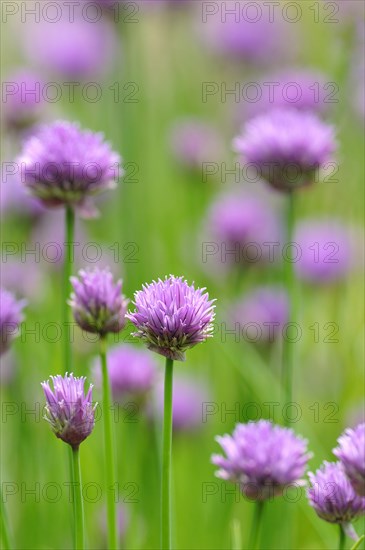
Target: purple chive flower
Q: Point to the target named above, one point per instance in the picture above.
(240, 224)
(15, 199)
(194, 142)
(351, 452)
(189, 396)
(72, 47)
(22, 100)
(172, 316)
(262, 314)
(62, 164)
(131, 371)
(325, 250)
(298, 88)
(10, 318)
(68, 410)
(332, 495)
(287, 146)
(97, 303)
(263, 458)
(246, 33)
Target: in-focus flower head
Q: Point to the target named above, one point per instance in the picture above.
(61, 164)
(172, 316)
(68, 410)
(262, 314)
(287, 146)
(131, 371)
(325, 250)
(10, 318)
(332, 495)
(262, 458)
(351, 452)
(97, 302)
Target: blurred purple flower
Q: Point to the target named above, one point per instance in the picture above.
(240, 224)
(123, 518)
(351, 452)
(287, 146)
(15, 199)
(131, 371)
(68, 410)
(22, 100)
(333, 497)
(325, 250)
(97, 303)
(11, 316)
(62, 164)
(189, 396)
(172, 316)
(12, 275)
(74, 46)
(263, 458)
(265, 310)
(298, 88)
(194, 142)
(244, 30)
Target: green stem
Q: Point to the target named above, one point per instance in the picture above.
(290, 284)
(5, 531)
(166, 458)
(79, 505)
(342, 539)
(256, 523)
(67, 270)
(109, 450)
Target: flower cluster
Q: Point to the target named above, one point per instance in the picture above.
(64, 165)
(351, 452)
(287, 146)
(68, 410)
(10, 318)
(263, 458)
(97, 302)
(171, 316)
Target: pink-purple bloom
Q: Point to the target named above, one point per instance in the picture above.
(11, 315)
(22, 101)
(301, 89)
(131, 371)
(332, 495)
(243, 31)
(74, 46)
(97, 302)
(189, 396)
(68, 410)
(239, 224)
(262, 314)
(324, 250)
(262, 458)
(194, 142)
(64, 165)
(287, 146)
(172, 316)
(351, 453)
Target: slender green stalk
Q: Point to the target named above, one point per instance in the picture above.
(5, 531)
(109, 450)
(79, 505)
(256, 524)
(67, 270)
(290, 284)
(236, 535)
(342, 539)
(166, 458)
